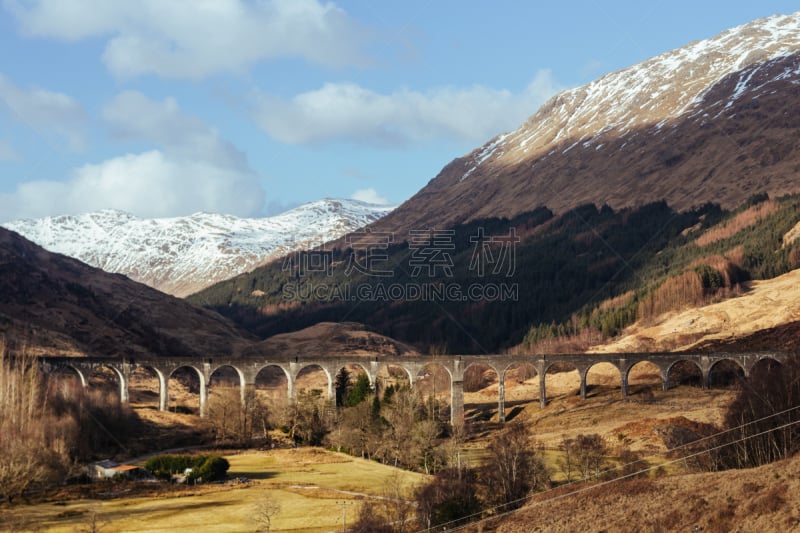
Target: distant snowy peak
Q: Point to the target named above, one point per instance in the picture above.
(185, 254)
(650, 93)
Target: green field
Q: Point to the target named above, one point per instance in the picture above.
(310, 486)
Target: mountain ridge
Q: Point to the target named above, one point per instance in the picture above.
(182, 255)
(640, 134)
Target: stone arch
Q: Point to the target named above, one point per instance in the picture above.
(521, 373)
(474, 376)
(678, 370)
(221, 382)
(434, 382)
(226, 375)
(98, 382)
(81, 375)
(482, 387)
(513, 384)
(764, 363)
(385, 376)
(268, 376)
(63, 380)
(184, 383)
(642, 381)
(569, 381)
(725, 372)
(605, 375)
(140, 387)
(304, 380)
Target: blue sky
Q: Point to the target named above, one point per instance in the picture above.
(165, 108)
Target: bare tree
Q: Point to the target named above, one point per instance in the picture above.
(391, 513)
(28, 455)
(265, 511)
(590, 455)
(236, 416)
(514, 467)
(567, 460)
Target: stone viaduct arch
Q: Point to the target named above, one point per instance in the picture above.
(455, 365)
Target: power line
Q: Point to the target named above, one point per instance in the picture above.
(654, 467)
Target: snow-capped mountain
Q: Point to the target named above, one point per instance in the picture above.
(715, 120)
(185, 254)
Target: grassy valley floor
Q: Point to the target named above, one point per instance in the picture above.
(310, 485)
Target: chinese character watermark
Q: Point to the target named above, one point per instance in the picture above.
(496, 251)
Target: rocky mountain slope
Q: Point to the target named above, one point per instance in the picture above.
(714, 121)
(182, 255)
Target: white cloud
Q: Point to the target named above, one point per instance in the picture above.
(7, 152)
(346, 111)
(192, 169)
(47, 112)
(133, 116)
(195, 39)
(150, 184)
(370, 196)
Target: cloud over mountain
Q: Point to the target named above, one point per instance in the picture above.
(350, 112)
(192, 169)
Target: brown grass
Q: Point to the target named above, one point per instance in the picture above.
(745, 500)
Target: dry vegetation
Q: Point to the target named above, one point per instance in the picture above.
(741, 221)
(757, 499)
(305, 485)
(763, 305)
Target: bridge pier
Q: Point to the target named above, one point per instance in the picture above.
(542, 390)
(456, 402)
(501, 402)
(583, 384)
(205, 380)
(624, 379)
(163, 393)
(248, 391)
(124, 378)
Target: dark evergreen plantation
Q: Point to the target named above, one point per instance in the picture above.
(588, 272)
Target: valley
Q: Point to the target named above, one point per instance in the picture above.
(588, 322)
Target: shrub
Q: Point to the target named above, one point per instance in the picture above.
(214, 468)
(205, 467)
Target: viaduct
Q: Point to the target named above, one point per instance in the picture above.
(248, 368)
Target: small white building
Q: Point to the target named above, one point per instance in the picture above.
(107, 469)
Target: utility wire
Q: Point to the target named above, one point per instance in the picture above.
(684, 458)
(604, 483)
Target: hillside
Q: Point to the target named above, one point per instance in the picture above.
(657, 187)
(714, 121)
(757, 499)
(327, 339)
(182, 255)
(583, 275)
(55, 305)
(766, 316)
